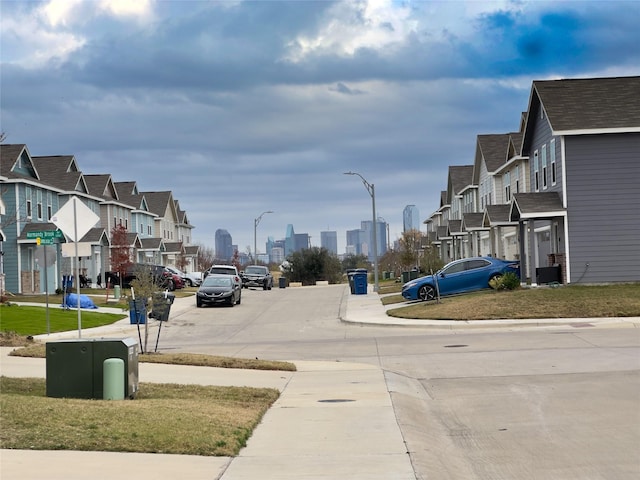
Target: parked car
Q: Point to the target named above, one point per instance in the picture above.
(459, 276)
(219, 289)
(162, 277)
(224, 270)
(193, 279)
(257, 276)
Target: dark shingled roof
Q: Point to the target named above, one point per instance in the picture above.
(493, 149)
(158, 202)
(101, 185)
(460, 176)
(455, 227)
(496, 215)
(9, 153)
(590, 103)
(60, 171)
(536, 205)
(151, 243)
(472, 221)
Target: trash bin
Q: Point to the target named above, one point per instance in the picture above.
(282, 282)
(350, 273)
(137, 311)
(360, 282)
(161, 306)
(116, 292)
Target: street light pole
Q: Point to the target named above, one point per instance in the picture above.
(372, 192)
(256, 221)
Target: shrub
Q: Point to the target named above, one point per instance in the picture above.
(508, 281)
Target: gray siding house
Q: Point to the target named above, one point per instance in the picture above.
(581, 211)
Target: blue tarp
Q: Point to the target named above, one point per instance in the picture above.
(71, 301)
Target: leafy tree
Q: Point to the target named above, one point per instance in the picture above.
(390, 262)
(120, 251)
(355, 261)
(314, 264)
(410, 244)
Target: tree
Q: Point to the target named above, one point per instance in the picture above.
(120, 252)
(181, 262)
(206, 256)
(311, 265)
(355, 261)
(410, 244)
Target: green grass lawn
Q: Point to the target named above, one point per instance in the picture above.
(29, 320)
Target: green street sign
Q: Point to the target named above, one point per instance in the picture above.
(47, 241)
(46, 234)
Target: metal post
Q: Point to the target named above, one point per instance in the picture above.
(256, 221)
(372, 192)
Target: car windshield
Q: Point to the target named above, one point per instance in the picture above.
(217, 282)
(258, 270)
(223, 271)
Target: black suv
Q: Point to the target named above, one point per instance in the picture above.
(257, 276)
(162, 277)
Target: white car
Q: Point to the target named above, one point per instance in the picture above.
(224, 270)
(193, 279)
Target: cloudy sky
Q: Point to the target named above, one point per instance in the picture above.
(240, 107)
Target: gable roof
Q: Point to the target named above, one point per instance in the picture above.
(158, 202)
(460, 176)
(589, 105)
(9, 156)
(472, 221)
(493, 149)
(495, 215)
(60, 171)
(539, 205)
(101, 185)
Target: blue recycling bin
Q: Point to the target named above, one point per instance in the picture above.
(137, 312)
(360, 282)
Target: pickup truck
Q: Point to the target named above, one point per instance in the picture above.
(257, 276)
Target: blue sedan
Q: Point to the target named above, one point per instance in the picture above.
(459, 276)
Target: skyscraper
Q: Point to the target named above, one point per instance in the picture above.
(329, 241)
(410, 218)
(224, 245)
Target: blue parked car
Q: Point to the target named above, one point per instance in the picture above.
(459, 276)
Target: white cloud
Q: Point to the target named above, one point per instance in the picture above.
(349, 26)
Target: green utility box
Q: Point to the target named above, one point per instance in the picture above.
(75, 367)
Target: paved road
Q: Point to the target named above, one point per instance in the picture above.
(525, 403)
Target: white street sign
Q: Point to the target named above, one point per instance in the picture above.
(77, 222)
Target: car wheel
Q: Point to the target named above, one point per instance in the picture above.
(493, 279)
(239, 299)
(189, 282)
(198, 303)
(232, 301)
(427, 293)
(264, 286)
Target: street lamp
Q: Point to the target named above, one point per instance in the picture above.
(256, 221)
(372, 192)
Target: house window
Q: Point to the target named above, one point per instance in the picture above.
(49, 206)
(39, 204)
(507, 186)
(28, 202)
(536, 172)
(544, 167)
(149, 230)
(552, 155)
(141, 228)
(517, 179)
(126, 223)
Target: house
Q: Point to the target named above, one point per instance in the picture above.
(33, 189)
(562, 194)
(581, 211)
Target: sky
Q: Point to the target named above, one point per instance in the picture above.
(243, 107)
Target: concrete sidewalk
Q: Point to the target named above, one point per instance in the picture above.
(332, 420)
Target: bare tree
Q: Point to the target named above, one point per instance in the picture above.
(120, 251)
(206, 256)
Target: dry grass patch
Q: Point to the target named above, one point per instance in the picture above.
(564, 302)
(164, 418)
(38, 350)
